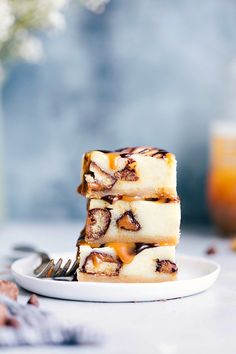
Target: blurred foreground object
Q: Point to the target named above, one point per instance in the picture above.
(222, 176)
(20, 22)
(2, 196)
(28, 325)
(97, 6)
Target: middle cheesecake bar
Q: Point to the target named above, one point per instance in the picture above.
(132, 219)
(126, 262)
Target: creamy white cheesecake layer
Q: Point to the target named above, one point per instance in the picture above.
(143, 267)
(144, 263)
(156, 222)
(155, 176)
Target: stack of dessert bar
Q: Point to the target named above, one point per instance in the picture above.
(133, 216)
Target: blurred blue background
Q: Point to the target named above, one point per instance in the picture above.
(142, 73)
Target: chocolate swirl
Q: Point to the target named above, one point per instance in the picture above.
(142, 150)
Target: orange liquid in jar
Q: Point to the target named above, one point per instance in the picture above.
(222, 183)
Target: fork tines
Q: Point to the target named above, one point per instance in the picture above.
(56, 270)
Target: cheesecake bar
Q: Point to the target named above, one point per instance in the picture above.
(141, 171)
(121, 262)
(132, 219)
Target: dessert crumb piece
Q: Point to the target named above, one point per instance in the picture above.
(3, 315)
(211, 250)
(9, 289)
(233, 244)
(33, 300)
(12, 322)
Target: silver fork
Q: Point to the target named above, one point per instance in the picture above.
(48, 268)
(56, 271)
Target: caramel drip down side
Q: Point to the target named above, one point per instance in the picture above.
(112, 156)
(125, 251)
(82, 189)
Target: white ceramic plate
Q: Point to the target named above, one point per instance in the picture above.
(195, 275)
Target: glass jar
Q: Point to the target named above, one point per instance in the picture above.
(222, 176)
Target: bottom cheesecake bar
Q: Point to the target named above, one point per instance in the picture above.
(122, 262)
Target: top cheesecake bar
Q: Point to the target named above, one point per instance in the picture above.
(142, 171)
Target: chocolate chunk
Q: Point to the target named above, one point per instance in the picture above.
(166, 266)
(211, 250)
(128, 222)
(9, 289)
(164, 199)
(101, 263)
(128, 173)
(111, 198)
(152, 199)
(33, 300)
(97, 223)
(98, 180)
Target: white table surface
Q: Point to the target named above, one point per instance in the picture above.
(204, 323)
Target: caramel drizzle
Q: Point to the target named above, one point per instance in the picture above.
(127, 198)
(163, 199)
(144, 150)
